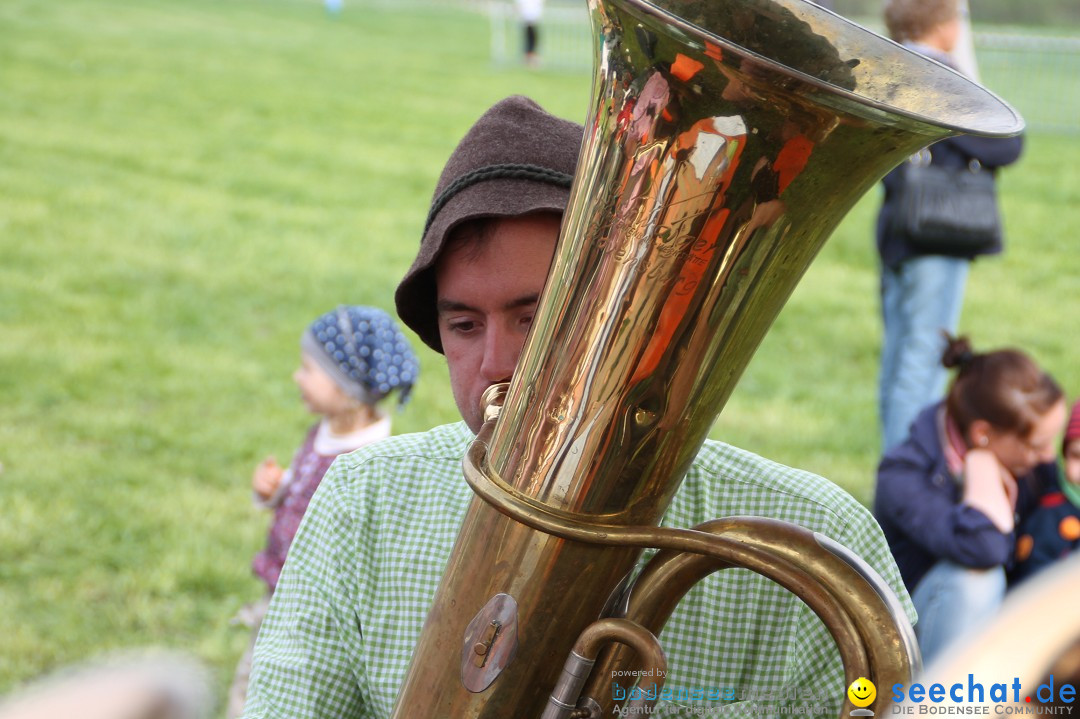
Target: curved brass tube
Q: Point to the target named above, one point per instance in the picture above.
(579, 664)
(669, 575)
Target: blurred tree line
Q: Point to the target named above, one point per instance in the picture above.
(1010, 12)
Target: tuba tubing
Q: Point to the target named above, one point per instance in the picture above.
(859, 609)
(724, 142)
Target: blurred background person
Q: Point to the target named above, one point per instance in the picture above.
(136, 684)
(948, 496)
(351, 359)
(530, 12)
(922, 294)
(1052, 532)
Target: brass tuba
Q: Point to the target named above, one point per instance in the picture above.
(725, 141)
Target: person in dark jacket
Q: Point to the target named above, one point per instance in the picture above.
(948, 498)
(921, 294)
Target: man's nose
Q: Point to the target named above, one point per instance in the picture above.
(501, 350)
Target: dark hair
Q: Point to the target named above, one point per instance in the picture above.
(469, 237)
(911, 20)
(1004, 388)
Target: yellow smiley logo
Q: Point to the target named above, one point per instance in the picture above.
(862, 692)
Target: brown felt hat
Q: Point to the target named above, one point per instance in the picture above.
(517, 159)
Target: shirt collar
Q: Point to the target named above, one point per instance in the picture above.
(329, 444)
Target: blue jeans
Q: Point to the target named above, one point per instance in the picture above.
(918, 300)
(952, 601)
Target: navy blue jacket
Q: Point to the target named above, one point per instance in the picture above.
(1050, 534)
(917, 504)
(955, 152)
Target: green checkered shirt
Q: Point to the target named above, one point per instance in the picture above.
(369, 555)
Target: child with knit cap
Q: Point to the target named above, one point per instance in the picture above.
(351, 359)
(1053, 530)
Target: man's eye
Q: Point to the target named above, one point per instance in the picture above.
(461, 326)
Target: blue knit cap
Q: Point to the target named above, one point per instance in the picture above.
(363, 350)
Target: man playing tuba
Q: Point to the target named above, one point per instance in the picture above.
(368, 559)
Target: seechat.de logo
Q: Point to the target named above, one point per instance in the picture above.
(976, 697)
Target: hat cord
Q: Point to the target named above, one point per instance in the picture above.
(504, 171)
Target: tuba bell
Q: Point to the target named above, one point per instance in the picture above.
(1028, 654)
(725, 141)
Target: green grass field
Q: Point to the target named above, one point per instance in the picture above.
(186, 184)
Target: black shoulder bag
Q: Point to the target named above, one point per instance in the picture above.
(948, 211)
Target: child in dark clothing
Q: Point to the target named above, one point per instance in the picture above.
(352, 358)
(1053, 530)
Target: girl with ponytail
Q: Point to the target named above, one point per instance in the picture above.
(949, 496)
